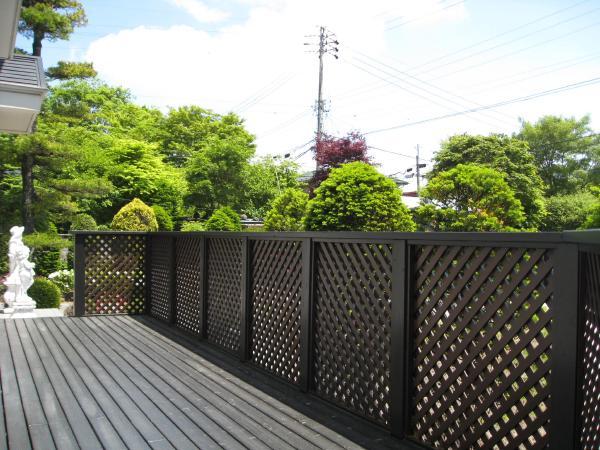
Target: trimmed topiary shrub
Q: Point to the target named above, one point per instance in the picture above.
(356, 197)
(222, 221)
(235, 217)
(45, 293)
(135, 216)
(163, 218)
(83, 222)
(287, 212)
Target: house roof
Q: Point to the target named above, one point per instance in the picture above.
(22, 71)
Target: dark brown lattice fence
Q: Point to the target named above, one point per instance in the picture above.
(590, 430)
(115, 274)
(224, 292)
(482, 347)
(189, 283)
(467, 341)
(161, 250)
(352, 326)
(276, 283)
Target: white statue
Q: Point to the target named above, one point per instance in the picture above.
(21, 275)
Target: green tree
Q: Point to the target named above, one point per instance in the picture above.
(51, 20)
(265, 179)
(470, 197)
(215, 174)
(356, 197)
(287, 211)
(593, 218)
(187, 129)
(66, 70)
(163, 218)
(223, 220)
(507, 155)
(567, 212)
(135, 216)
(565, 152)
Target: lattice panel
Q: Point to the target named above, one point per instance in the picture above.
(115, 280)
(276, 282)
(224, 292)
(590, 432)
(161, 248)
(189, 279)
(352, 322)
(482, 347)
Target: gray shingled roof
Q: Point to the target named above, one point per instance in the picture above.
(23, 70)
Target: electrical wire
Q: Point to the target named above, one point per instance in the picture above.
(424, 16)
(494, 105)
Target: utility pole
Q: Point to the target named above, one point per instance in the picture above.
(327, 44)
(418, 174)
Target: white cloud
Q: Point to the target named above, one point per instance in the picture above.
(263, 58)
(201, 12)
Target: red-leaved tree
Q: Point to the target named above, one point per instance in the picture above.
(332, 152)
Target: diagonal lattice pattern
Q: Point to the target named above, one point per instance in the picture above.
(482, 347)
(224, 278)
(189, 279)
(115, 281)
(160, 282)
(590, 426)
(276, 282)
(352, 326)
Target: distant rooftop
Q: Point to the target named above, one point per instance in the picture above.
(22, 70)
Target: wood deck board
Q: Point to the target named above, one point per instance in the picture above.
(124, 382)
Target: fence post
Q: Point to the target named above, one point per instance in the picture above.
(564, 414)
(306, 314)
(172, 280)
(400, 339)
(148, 274)
(245, 307)
(79, 288)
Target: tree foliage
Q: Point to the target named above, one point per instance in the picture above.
(287, 211)
(356, 197)
(566, 152)
(68, 70)
(593, 218)
(470, 197)
(568, 211)
(135, 216)
(163, 218)
(332, 152)
(187, 130)
(507, 155)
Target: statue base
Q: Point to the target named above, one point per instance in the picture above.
(23, 308)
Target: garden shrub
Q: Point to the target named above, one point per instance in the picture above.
(65, 281)
(45, 251)
(222, 221)
(287, 211)
(235, 217)
(83, 222)
(135, 216)
(45, 293)
(163, 218)
(567, 212)
(356, 197)
(192, 226)
(593, 218)
(4, 253)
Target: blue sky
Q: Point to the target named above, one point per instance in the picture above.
(401, 62)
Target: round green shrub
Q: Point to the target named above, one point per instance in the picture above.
(356, 197)
(221, 221)
(45, 293)
(163, 218)
(83, 222)
(192, 226)
(135, 216)
(287, 212)
(235, 217)
(46, 250)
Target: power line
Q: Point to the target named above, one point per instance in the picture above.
(421, 17)
(495, 105)
(264, 92)
(504, 33)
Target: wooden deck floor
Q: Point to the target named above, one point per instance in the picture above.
(131, 382)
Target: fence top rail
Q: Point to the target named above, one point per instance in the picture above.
(590, 237)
